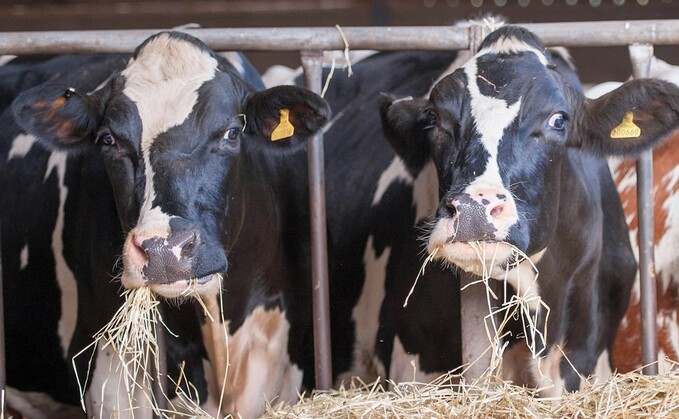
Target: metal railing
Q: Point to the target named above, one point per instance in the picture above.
(310, 42)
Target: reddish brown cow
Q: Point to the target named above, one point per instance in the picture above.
(627, 349)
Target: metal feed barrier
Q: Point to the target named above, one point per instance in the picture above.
(311, 42)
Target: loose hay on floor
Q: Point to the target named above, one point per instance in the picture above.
(627, 395)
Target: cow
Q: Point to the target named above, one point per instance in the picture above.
(520, 157)
(175, 148)
(373, 258)
(627, 348)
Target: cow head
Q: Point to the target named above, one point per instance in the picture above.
(498, 129)
(176, 129)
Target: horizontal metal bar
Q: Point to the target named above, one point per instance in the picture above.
(609, 33)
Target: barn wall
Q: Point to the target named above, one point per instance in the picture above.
(595, 64)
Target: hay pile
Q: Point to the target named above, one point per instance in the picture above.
(628, 395)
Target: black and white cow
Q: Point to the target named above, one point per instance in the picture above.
(520, 155)
(185, 143)
(375, 205)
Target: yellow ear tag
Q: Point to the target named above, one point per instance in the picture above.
(284, 129)
(627, 128)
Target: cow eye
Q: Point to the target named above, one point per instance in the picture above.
(557, 121)
(231, 133)
(429, 118)
(105, 138)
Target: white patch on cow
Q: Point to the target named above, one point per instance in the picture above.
(65, 276)
(163, 81)
(106, 396)
(523, 369)
(236, 60)
(396, 172)
(602, 372)
(663, 365)
(40, 405)
(547, 375)
(491, 117)
(671, 327)
(425, 187)
(666, 260)
(405, 367)
(21, 145)
(257, 367)
(366, 315)
(23, 258)
(280, 75)
(4, 59)
(523, 279)
(601, 89)
(512, 45)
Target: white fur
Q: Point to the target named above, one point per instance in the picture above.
(366, 314)
(257, 367)
(396, 172)
(21, 145)
(511, 45)
(163, 82)
(40, 405)
(405, 367)
(602, 372)
(65, 276)
(23, 257)
(106, 396)
(425, 187)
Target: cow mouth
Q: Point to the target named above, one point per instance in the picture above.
(485, 258)
(189, 287)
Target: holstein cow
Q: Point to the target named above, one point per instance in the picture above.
(373, 334)
(627, 349)
(520, 156)
(187, 145)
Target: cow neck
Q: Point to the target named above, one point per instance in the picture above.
(253, 227)
(578, 205)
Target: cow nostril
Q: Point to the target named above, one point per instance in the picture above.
(187, 248)
(185, 241)
(137, 250)
(497, 210)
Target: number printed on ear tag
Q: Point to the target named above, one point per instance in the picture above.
(284, 129)
(627, 128)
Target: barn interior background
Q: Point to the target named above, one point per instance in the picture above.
(594, 64)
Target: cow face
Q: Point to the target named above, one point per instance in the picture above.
(181, 134)
(498, 130)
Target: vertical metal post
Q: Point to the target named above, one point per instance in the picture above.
(473, 310)
(312, 64)
(641, 55)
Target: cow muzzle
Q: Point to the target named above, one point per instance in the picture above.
(472, 234)
(165, 263)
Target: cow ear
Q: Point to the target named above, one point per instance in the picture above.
(60, 117)
(285, 116)
(635, 117)
(404, 122)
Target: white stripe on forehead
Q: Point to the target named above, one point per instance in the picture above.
(512, 45)
(491, 116)
(163, 81)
